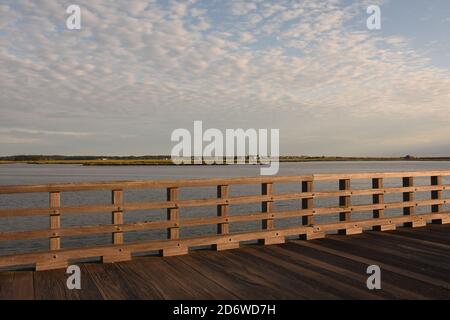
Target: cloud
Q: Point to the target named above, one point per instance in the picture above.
(144, 68)
(246, 37)
(45, 132)
(240, 8)
(5, 139)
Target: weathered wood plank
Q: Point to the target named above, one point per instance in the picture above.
(117, 216)
(223, 214)
(378, 183)
(326, 245)
(414, 266)
(120, 251)
(267, 207)
(64, 255)
(370, 175)
(310, 275)
(111, 185)
(52, 285)
(16, 285)
(55, 219)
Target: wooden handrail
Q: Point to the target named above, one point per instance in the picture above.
(111, 185)
(307, 227)
(372, 175)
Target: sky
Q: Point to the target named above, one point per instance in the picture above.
(137, 70)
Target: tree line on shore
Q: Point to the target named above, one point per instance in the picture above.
(32, 158)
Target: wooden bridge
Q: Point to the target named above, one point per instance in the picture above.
(415, 261)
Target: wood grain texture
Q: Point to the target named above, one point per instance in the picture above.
(117, 216)
(143, 184)
(223, 214)
(57, 257)
(55, 219)
(414, 264)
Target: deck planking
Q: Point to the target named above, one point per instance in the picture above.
(415, 264)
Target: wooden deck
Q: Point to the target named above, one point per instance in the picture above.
(415, 264)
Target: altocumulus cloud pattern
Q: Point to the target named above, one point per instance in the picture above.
(139, 69)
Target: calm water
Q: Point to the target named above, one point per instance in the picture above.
(33, 174)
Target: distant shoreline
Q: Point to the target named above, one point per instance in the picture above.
(165, 161)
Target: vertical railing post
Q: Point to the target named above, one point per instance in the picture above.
(222, 210)
(437, 194)
(56, 261)
(117, 216)
(267, 207)
(345, 216)
(55, 219)
(223, 228)
(173, 214)
(308, 204)
(173, 232)
(116, 255)
(409, 210)
(378, 183)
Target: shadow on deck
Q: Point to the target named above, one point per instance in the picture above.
(415, 264)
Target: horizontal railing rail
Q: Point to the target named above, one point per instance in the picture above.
(306, 227)
(89, 186)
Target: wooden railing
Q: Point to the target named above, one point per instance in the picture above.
(307, 227)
